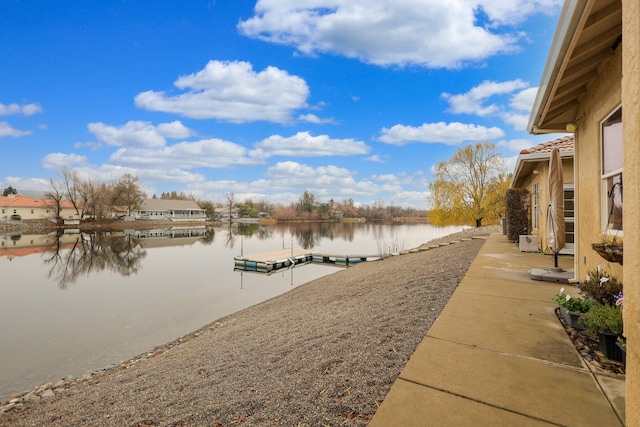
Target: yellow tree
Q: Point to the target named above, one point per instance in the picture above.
(469, 187)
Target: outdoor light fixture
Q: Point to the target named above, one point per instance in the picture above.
(571, 127)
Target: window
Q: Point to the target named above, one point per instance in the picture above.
(536, 206)
(612, 171)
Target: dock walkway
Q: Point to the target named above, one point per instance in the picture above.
(268, 262)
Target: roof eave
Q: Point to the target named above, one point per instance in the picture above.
(535, 157)
(568, 22)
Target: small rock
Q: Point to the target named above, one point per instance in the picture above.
(31, 397)
(48, 394)
(7, 408)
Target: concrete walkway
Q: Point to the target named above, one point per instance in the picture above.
(499, 356)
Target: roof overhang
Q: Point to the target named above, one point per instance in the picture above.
(526, 164)
(588, 33)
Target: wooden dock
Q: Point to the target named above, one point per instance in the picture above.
(268, 262)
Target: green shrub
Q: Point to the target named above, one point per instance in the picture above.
(604, 318)
(574, 304)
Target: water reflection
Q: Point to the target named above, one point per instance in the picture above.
(93, 253)
(68, 256)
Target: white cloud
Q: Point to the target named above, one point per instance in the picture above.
(411, 199)
(232, 91)
(515, 11)
(25, 110)
(524, 99)
(312, 118)
(55, 161)
(304, 144)
(175, 130)
(377, 158)
(208, 153)
(7, 130)
(510, 163)
(23, 185)
(517, 145)
(139, 133)
(323, 181)
(518, 121)
(473, 102)
(430, 33)
(444, 133)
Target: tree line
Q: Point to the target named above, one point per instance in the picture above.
(467, 189)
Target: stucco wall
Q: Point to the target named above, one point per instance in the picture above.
(542, 178)
(631, 212)
(603, 98)
(38, 213)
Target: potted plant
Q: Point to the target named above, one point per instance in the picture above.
(600, 287)
(607, 321)
(610, 248)
(571, 308)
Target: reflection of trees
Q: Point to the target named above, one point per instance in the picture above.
(309, 234)
(91, 253)
(230, 239)
(208, 237)
(247, 230)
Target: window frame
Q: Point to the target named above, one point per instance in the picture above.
(536, 205)
(605, 176)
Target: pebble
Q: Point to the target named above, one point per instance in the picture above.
(47, 394)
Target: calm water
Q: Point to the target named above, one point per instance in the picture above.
(74, 303)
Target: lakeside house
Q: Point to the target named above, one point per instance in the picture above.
(591, 87)
(18, 208)
(173, 210)
(532, 173)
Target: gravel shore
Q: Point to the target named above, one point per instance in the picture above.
(325, 353)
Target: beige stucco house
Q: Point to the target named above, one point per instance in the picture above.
(591, 86)
(23, 208)
(532, 173)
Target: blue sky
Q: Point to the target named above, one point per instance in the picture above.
(266, 99)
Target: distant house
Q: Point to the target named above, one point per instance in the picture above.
(223, 214)
(174, 210)
(16, 207)
(532, 172)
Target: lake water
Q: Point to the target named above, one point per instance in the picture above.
(74, 303)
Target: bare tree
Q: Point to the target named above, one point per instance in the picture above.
(231, 202)
(54, 198)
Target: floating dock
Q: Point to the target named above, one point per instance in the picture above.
(268, 262)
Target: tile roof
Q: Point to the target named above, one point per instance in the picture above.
(27, 202)
(564, 144)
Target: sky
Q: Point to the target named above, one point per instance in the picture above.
(266, 99)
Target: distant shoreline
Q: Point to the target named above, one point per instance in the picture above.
(43, 225)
